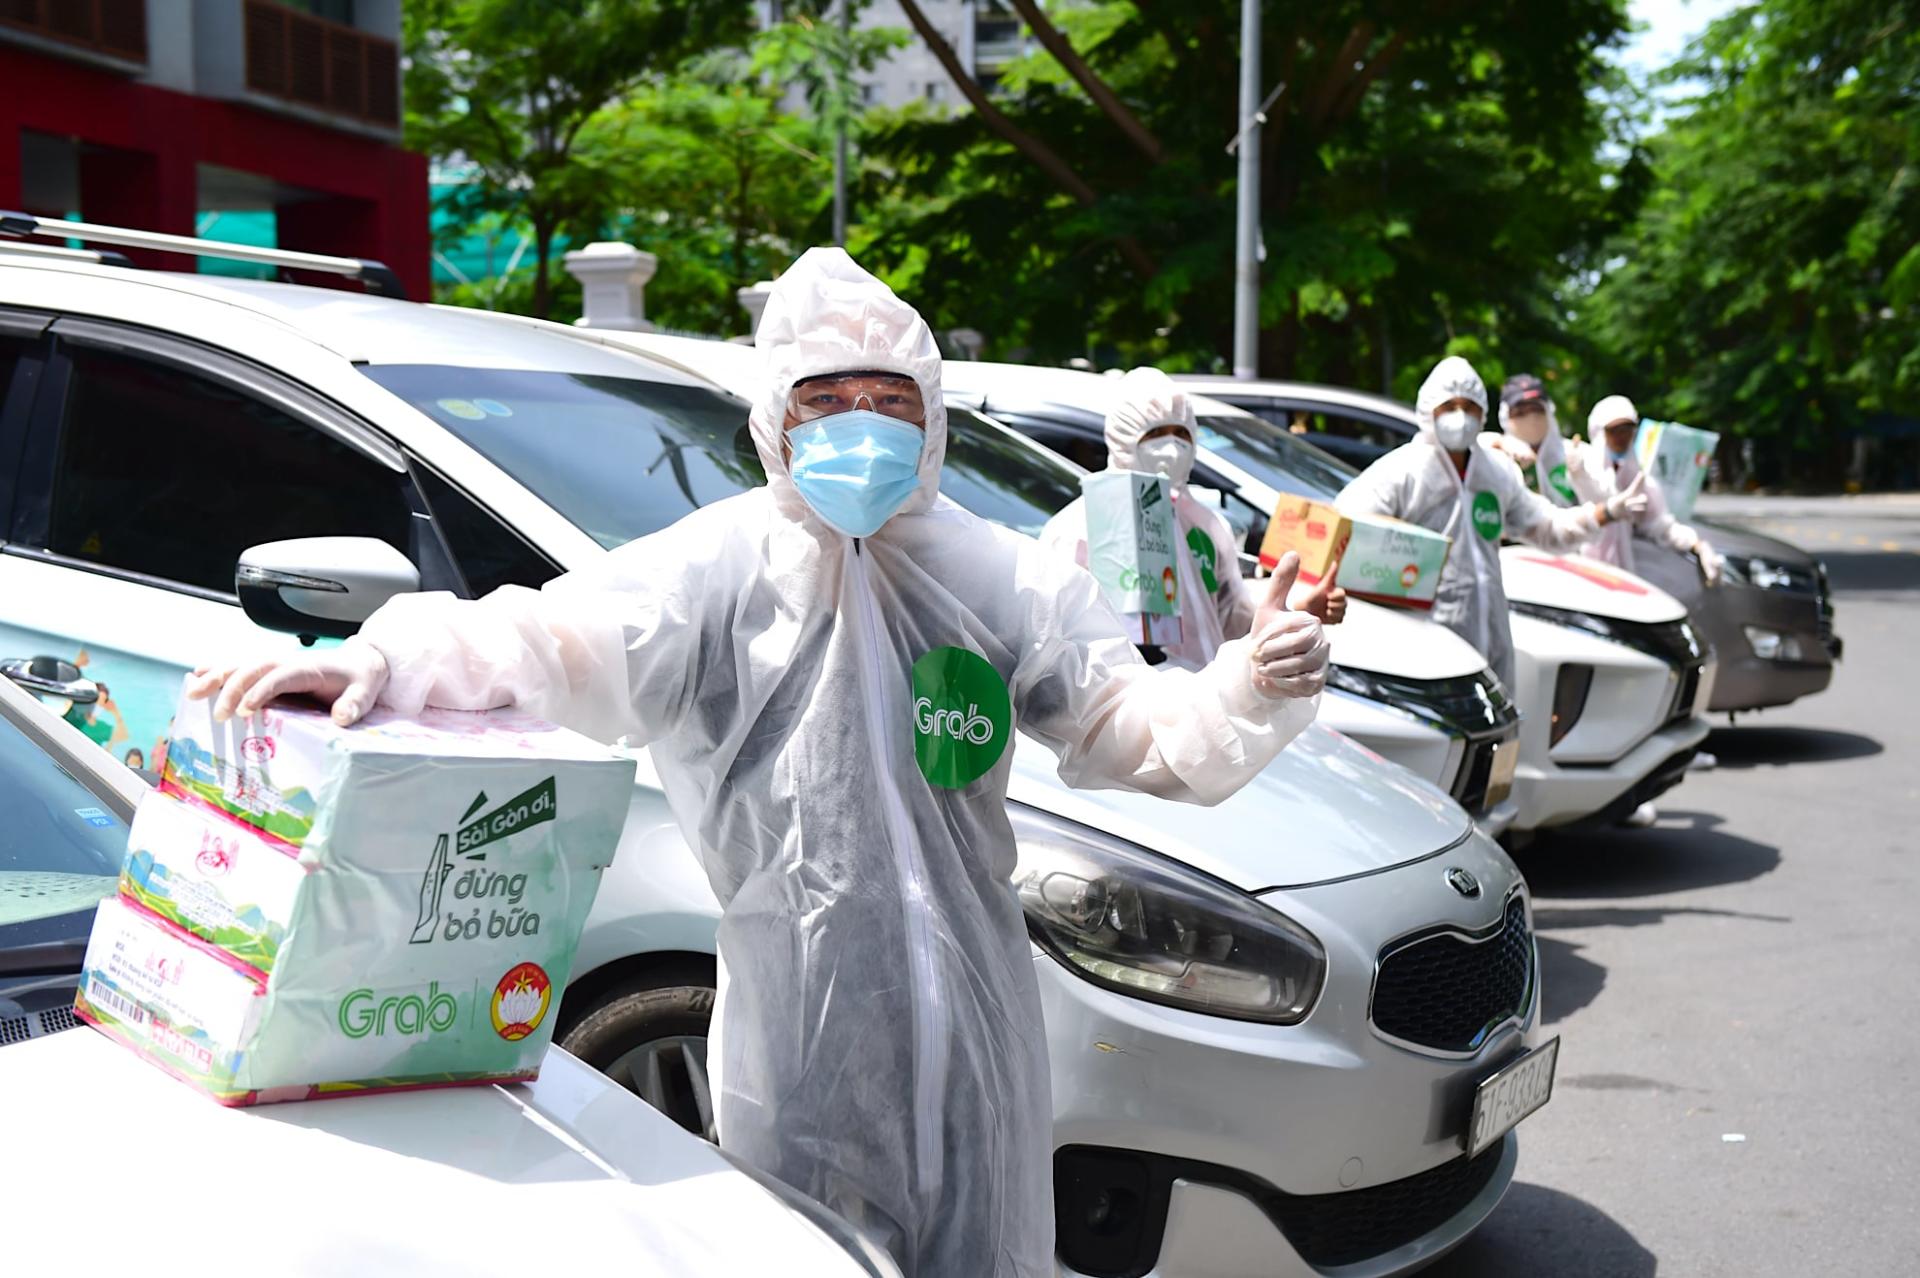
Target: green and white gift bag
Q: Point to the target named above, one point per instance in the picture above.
(1678, 456)
(308, 910)
(1130, 549)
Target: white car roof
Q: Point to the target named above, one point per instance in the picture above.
(382, 330)
(569, 1171)
(1312, 392)
(1071, 386)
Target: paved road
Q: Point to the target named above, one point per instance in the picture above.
(1738, 989)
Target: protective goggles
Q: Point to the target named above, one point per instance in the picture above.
(890, 394)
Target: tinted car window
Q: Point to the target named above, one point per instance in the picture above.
(1279, 460)
(60, 848)
(490, 554)
(1001, 479)
(622, 458)
(169, 473)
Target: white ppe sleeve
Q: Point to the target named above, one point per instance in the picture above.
(1538, 522)
(1116, 723)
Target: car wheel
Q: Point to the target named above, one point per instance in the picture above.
(653, 1042)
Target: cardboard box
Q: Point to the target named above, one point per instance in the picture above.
(1381, 560)
(419, 934)
(1678, 457)
(1130, 549)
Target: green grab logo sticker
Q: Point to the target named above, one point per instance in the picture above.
(1558, 478)
(1202, 547)
(962, 717)
(1486, 516)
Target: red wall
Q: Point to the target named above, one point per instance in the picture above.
(378, 206)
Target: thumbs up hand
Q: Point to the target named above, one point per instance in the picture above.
(1289, 649)
(1631, 502)
(1326, 601)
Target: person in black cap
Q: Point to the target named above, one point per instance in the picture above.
(1531, 436)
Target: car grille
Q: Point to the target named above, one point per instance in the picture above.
(1448, 992)
(1342, 1229)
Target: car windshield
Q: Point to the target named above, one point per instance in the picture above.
(1274, 457)
(60, 847)
(622, 458)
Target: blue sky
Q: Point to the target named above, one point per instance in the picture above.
(1670, 24)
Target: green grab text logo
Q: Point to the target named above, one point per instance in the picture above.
(962, 717)
(364, 1013)
(1558, 478)
(1486, 516)
(1202, 547)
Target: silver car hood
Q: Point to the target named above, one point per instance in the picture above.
(1327, 808)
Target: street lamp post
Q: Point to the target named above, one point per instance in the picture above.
(1246, 240)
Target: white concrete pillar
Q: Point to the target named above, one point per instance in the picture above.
(969, 342)
(754, 299)
(613, 285)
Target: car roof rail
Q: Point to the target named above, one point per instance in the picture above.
(102, 257)
(376, 276)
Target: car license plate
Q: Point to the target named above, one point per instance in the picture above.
(1508, 1095)
(1506, 757)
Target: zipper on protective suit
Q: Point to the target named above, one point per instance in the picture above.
(930, 1047)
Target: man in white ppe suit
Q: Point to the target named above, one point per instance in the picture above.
(1448, 480)
(828, 670)
(1150, 428)
(1530, 434)
(1608, 465)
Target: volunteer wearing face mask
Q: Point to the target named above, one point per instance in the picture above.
(1150, 428)
(1449, 481)
(1530, 434)
(1607, 466)
(829, 670)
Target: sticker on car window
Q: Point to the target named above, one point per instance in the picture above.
(94, 816)
(463, 408)
(493, 408)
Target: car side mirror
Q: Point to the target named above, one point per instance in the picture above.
(51, 677)
(320, 586)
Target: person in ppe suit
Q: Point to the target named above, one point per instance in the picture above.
(1607, 466)
(1448, 480)
(1530, 434)
(828, 670)
(1150, 428)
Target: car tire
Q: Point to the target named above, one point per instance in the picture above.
(653, 1042)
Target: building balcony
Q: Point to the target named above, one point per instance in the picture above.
(106, 32)
(319, 65)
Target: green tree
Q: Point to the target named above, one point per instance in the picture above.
(1430, 172)
(1771, 285)
(518, 88)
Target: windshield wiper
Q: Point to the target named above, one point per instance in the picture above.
(50, 958)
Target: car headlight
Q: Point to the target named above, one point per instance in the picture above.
(1773, 645)
(1151, 928)
(1763, 574)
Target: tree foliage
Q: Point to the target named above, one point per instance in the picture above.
(1771, 285)
(1428, 172)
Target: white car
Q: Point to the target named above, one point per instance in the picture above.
(1411, 691)
(1305, 995)
(114, 1167)
(1611, 679)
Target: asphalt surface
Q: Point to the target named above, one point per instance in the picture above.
(1735, 989)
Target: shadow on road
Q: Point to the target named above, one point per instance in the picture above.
(1686, 850)
(1568, 982)
(1874, 572)
(1539, 1231)
(1778, 747)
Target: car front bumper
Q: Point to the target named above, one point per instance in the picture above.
(1552, 795)
(1280, 1147)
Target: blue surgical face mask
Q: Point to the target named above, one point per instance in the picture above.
(856, 469)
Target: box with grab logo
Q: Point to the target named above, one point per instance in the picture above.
(1382, 560)
(415, 927)
(1130, 551)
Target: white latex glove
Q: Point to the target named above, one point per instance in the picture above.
(349, 678)
(1512, 445)
(1289, 648)
(1631, 503)
(1709, 562)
